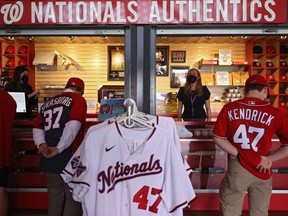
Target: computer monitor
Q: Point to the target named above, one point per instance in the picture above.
(20, 99)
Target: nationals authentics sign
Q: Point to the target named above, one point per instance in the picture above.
(28, 12)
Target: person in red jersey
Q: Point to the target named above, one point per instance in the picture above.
(7, 116)
(244, 129)
(58, 132)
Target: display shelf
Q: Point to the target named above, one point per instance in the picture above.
(237, 72)
(270, 59)
(17, 53)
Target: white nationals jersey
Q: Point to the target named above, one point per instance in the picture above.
(113, 180)
(166, 123)
(249, 125)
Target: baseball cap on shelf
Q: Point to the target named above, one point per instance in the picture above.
(74, 81)
(256, 79)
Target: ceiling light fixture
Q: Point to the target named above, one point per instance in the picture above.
(244, 37)
(163, 37)
(208, 37)
(232, 37)
(71, 38)
(104, 37)
(283, 37)
(11, 38)
(30, 38)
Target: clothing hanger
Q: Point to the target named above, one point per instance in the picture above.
(133, 117)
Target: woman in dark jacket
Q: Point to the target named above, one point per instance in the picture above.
(19, 83)
(195, 97)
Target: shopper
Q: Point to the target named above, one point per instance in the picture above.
(195, 97)
(20, 83)
(7, 116)
(58, 132)
(244, 130)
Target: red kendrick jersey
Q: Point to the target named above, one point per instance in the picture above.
(7, 116)
(249, 125)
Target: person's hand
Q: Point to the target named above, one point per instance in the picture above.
(265, 165)
(52, 151)
(43, 149)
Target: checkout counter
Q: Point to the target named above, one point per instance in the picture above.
(27, 185)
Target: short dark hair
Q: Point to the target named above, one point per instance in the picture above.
(75, 88)
(254, 87)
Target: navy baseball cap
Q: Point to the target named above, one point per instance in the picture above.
(256, 79)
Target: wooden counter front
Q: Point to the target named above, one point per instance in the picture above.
(27, 183)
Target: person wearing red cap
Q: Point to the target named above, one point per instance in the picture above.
(7, 116)
(244, 129)
(58, 132)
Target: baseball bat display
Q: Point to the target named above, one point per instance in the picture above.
(280, 170)
(212, 170)
(203, 153)
(28, 152)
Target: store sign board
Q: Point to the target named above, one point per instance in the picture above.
(63, 12)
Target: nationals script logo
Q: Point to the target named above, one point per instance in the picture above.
(121, 172)
(12, 12)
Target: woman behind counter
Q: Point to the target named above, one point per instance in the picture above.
(20, 84)
(194, 96)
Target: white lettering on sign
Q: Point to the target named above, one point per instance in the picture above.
(142, 11)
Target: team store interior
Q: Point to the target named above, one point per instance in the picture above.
(99, 61)
(224, 61)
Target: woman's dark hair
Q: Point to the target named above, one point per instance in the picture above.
(15, 84)
(17, 72)
(199, 86)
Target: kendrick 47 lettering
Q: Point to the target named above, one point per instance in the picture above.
(142, 198)
(241, 136)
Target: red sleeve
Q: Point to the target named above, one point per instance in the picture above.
(282, 131)
(220, 129)
(79, 109)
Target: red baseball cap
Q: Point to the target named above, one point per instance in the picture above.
(256, 79)
(74, 81)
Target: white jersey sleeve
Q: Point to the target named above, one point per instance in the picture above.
(167, 123)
